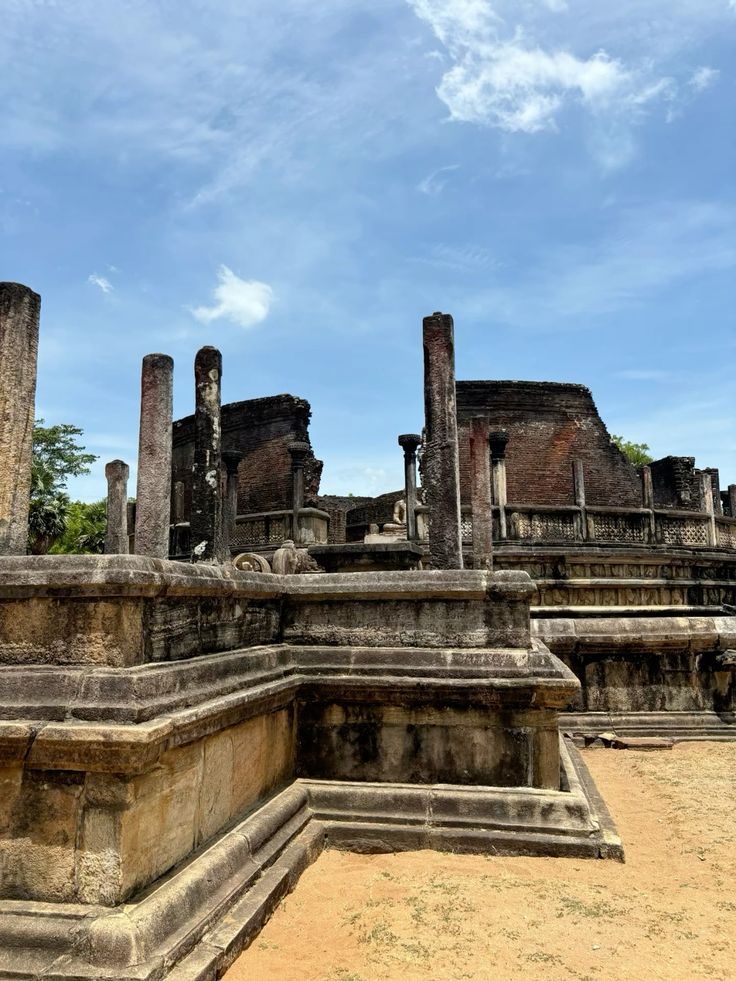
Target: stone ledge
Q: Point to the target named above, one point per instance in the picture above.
(635, 634)
(68, 576)
(124, 720)
(680, 726)
(193, 922)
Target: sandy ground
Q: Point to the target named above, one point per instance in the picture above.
(669, 912)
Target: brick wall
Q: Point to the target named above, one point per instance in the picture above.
(337, 506)
(549, 425)
(262, 430)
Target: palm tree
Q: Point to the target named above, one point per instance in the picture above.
(49, 511)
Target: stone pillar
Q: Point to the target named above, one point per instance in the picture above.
(578, 485)
(298, 453)
(706, 497)
(153, 495)
(499, 439)
(732, 499)
(647, 494)
(480, 494)
(206, 515)
(441, 464)
(116, 535)
(19, 312)
(409, 443)
(231, 459)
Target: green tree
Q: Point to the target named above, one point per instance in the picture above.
(48, 512)
(57, 455)
(57, 452)
(636, 453)
(85, 529)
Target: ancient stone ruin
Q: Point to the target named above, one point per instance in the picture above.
(181, 736)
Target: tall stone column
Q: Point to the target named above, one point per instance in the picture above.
(20, 308)
(153, 494)
(732, 499)
(707, 503)
(410, 442)
(231, 459)
(298, 453)
(499, 439)
(116, 536)
(206, 516)
(647, 494)
(578, 484)
(441, 465)
(480, 494)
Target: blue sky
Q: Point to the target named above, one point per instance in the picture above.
(299, 183)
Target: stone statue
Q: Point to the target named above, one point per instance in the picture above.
(400, 512)
(291, 561)
(285, 559)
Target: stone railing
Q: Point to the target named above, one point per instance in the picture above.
(567, 524)
(271, 528)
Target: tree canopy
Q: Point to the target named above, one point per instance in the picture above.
(57, 455)
(636, 453)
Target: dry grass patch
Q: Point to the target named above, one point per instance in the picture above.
(668, 913)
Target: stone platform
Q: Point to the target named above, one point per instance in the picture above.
(177, 742)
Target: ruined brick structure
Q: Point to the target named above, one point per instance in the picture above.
(549, 425)
(262, 430)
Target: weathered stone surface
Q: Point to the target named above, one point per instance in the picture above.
(441, 473)
(480, 492)
(362, 557)
(410, 443)
(153, 498)
(207, 538)
(116, 534)
(19, 313)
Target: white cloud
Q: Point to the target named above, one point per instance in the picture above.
(245, 302)
(434, 183)
(703, 78)
(514, 69)
(104, 284)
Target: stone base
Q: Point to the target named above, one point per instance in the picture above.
(190, 925)
(673, 725)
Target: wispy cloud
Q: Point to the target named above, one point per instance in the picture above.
(510, 71)
(101, 281)
(244, 302)
(650, 250)
(435, 182)
(703, 78)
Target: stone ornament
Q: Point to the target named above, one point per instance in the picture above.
(251, 562)
(291, 561)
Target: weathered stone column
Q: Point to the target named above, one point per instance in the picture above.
(647, 493)
(19, 312)
(480, 493)
(578, 486)
(409, 442)
(298, 453)
(116, 535)
(231, 459)
(706, 497)
(206, 516)
(498, 440)
(153, 494)
(732, 499)
(441, 465)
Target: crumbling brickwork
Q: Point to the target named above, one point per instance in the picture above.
(549, 424)
(262, 430)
